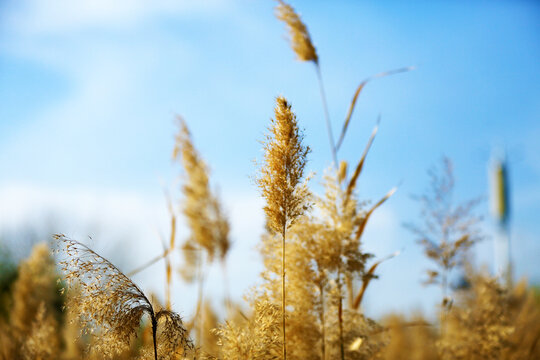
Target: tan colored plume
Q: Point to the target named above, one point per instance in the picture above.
(110, 305)
(299, 35)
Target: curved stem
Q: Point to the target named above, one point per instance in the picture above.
(150, 263)
(154, 331)
(327, 116)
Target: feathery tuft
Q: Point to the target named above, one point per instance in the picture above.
(208, 224)
(283, 169)
(110, 305)
(300, 39)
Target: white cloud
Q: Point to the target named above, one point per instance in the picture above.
(43, 16)
(126, 227)
(114, 210)
(115, 109)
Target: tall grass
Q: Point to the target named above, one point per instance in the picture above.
(316, 272)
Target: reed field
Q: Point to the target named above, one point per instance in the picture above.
(66, 301)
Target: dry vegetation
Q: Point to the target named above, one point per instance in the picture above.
(316, 272)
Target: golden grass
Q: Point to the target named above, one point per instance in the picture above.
(280, 182)
(299, 35)
(111, 305)
(308, 302)
(449, 229)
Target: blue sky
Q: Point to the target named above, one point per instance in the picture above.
(89, 91)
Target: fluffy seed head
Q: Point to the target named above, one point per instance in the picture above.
(109, 304)
(299, 35)
(283, 169)
(209, 225)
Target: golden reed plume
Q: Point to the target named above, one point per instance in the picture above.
(283, 169)
(208, 224)
(299, 35)
(280, 175)
(111, 305)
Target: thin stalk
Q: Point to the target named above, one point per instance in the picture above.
(444, 285)
(327, 116)
(168, 268)
(149, 263)
(340, 305)
(323, 335)
(168, 284)
(200, 300)
(283, 291)
(226, 292)
(154, 331)
(340, 317)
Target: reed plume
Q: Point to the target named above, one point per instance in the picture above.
(42, 343)
(74, 345)
(305, 51)
(282, 170)
(299, 35)
(341, 222)
(280, 180)
(323, 254)
(171, 335)
(35, 285)
(449, 229)
(208, 224)
(34, 295)
(209, 337)
(110, 305)
(410, 339)
(256, 338)
(480, 325)
(302, 321)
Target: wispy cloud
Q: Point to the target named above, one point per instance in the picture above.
(126, 227)
(114, 116)
(43, 17)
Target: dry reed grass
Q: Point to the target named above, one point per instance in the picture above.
(280, 182)
(206, 219)
(110, 305)
(449, 229)
(308, 304)
(299, 35)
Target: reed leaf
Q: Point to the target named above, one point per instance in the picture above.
(368, 276)
(368, 214)
(357, 93)
(360, 166)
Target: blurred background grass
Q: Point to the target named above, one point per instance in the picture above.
(89, 90)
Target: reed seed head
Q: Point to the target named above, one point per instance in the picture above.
(109, 304)
(283, 169)
(206, 219)
(299, 35)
